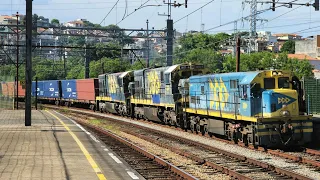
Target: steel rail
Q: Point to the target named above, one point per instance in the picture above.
(155, 158)
(225, 152)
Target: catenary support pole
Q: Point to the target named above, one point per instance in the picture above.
(169, 41)
(28, 62)
(238, 55)
(17, 64)
(148, 44)
(36, 93)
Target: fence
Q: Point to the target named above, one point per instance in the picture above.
(312, 94)
(7, 92)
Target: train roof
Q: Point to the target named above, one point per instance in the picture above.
(246, 77)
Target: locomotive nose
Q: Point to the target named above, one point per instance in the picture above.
(280, 102)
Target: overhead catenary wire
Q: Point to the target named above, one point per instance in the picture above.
(282, 14)
(259, 12)
(193, 11)
(141, 6)
(109, 12)
(223, 40)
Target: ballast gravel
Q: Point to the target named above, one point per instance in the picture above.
(261, 156)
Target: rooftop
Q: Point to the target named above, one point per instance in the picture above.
(301, 57)
(286, 34)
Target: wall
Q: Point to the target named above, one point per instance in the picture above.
(308, 47)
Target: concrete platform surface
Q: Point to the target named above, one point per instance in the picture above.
(55, 147)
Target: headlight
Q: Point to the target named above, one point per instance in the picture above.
(285, 113)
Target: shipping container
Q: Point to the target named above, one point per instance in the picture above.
(40, 89)
(9, 89)
(51, 89)
(88, 89)
(69, 89)
(21, 90)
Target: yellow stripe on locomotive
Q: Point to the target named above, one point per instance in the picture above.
(240, 102)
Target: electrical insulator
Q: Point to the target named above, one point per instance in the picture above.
(316, 5)
(186, 3)
(273, 5)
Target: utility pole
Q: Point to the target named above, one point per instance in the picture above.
(170, 29)
(235, 38)
(87, 63)
(148, 45)
(253, 25)
(28, 62)
(169, 34)
(238, 55)
(64, 63)
(86, 60)
(17, 63)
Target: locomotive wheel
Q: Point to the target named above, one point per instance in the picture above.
(192, 127)
(202, 129)
(185, 125)
(210, 134)
(198, 128)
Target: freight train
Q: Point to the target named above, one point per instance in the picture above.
(263, 108)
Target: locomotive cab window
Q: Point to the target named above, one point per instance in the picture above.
(255, 90)
(233, 84)
(186, 74)
(167, 78)
(269, 83)
(283, 82)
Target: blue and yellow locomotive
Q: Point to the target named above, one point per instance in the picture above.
(261, 107)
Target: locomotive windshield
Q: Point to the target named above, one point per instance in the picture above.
(283, 82)
(269, 83)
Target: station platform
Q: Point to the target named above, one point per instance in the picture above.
(55, 147)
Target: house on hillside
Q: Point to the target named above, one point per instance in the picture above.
(284, 37)
(310, 47)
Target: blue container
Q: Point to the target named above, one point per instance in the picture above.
(69, 89)
(51, 89)
(40, 89)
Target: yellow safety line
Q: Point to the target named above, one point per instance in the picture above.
(93, 164)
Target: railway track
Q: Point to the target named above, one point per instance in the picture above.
(146, 164)
(235, 165)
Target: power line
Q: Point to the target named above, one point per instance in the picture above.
(109, 12)
(140, 7)
(259, 12)
(193, 11)
(282, 14)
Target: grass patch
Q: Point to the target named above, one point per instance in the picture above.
(95, 121)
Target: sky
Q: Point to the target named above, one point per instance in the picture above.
(299, 19)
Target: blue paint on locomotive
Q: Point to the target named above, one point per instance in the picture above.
(276, 100)
(156, 98)
(226, 92)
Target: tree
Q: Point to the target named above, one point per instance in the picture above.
(138, 64)
(211, 59)
(120, 36)
(77, 40)
(55, 22)
(107, 65)
(109, 50)
(266, 61)
(288, 47)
